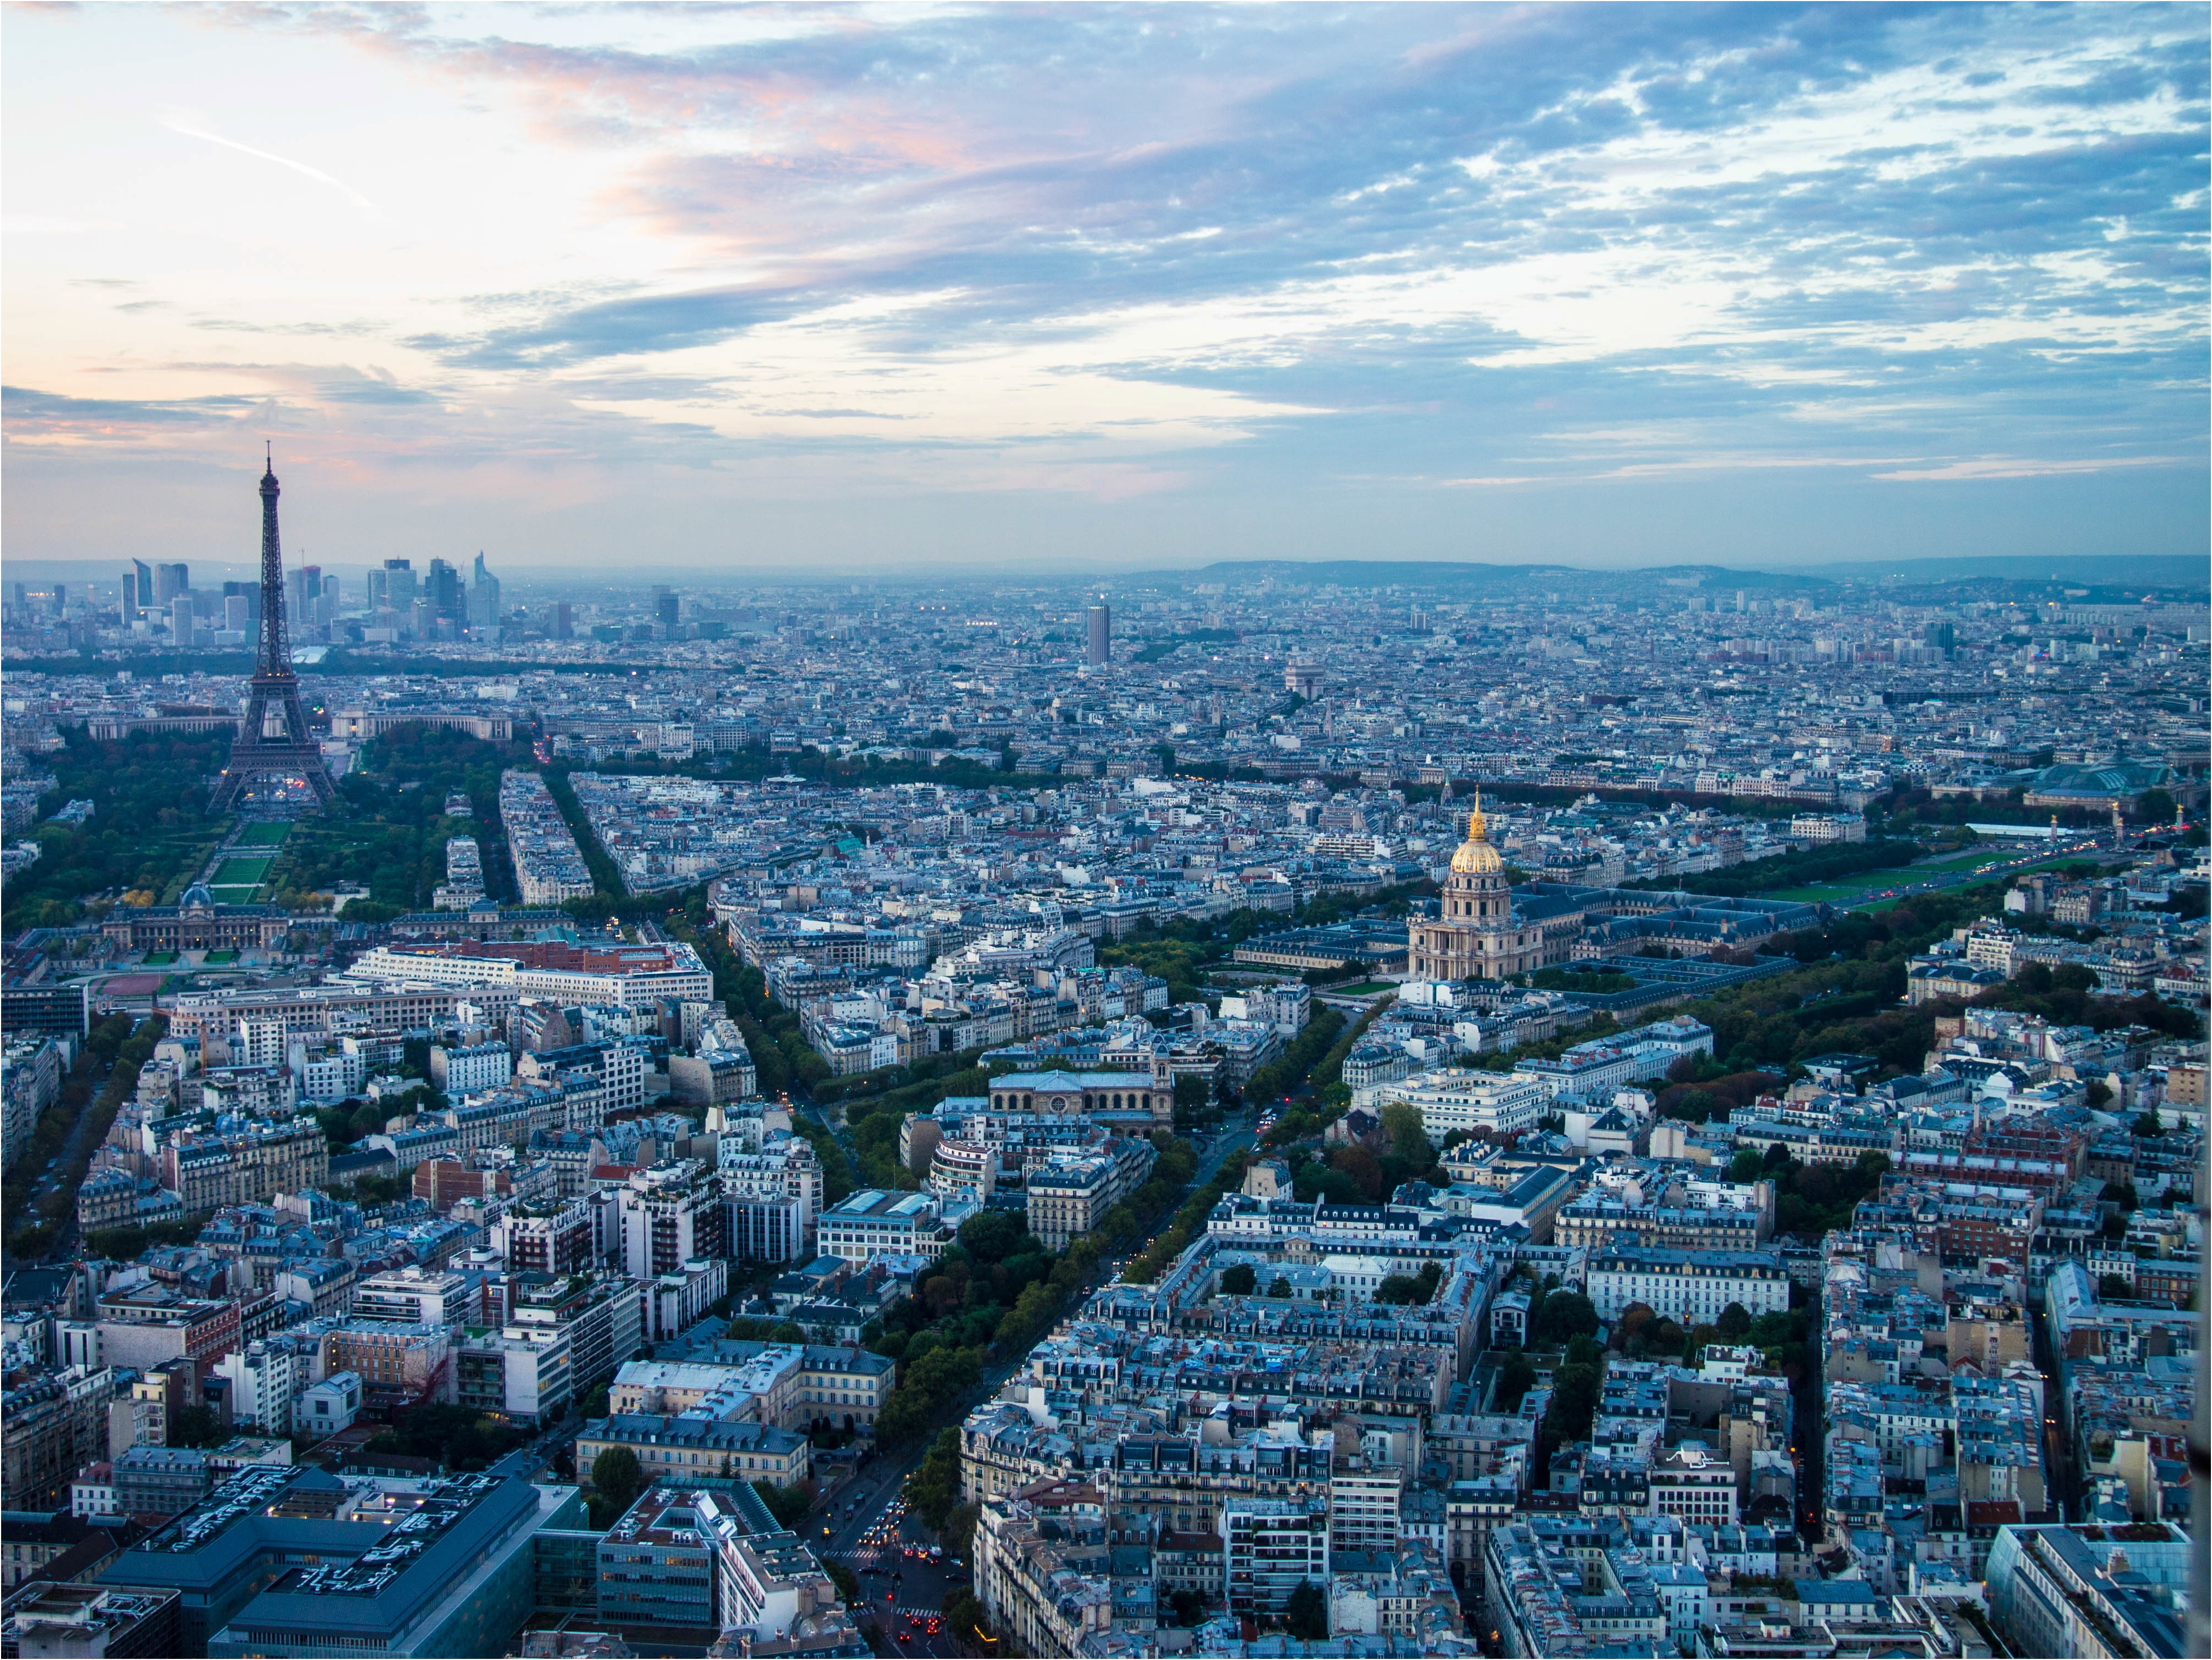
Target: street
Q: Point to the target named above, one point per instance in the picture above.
(903, 1595)
(863, 1522)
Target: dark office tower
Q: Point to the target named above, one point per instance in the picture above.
(169, 581)
(1942, 635)
(483, 596)
(443, 589)
(398, 585)
(1101, 619)
(560, 621)
(303, 590)
(289, 754)
(664, 610)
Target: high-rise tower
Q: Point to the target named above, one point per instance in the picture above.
(290, 754)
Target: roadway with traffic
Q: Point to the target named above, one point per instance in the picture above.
(1960, 877)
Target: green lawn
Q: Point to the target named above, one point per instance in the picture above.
(263, 835)
(238, 895)
(1368, 989)
(1851, 887)
(155, 959)
(226, 955)
(242, 873)
(1966, 864)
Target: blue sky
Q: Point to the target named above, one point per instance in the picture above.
(1104, 287)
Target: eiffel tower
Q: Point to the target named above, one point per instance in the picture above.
(290, 756)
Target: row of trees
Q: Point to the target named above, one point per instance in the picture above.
(1283, 1075)
(998, 1288)
(149, 833)
(121, 1046)
(390, 826)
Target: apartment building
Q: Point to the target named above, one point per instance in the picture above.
(1449, 1101)
(1269, 1547)
(1068, 1196)
(1691, 1287)
(669, 1215)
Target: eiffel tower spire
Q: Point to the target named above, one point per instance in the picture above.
(292, 755)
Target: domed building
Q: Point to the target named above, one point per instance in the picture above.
(1480, 934)
(196, 923)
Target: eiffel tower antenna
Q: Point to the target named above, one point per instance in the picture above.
(292, 755)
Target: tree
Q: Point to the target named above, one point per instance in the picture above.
(788, 1505)
(1415, 1288)
(1306, 1615)
(1409, 1135)
(1734, 1323)
(616, 1475)
(991, 1236)
(2147, 1124)
(1279, 1287)
(1192, 1097)
(1574, 1402)
(1633, 1319)
(1363, 1168)
(1565, 1315)
(962, 1613)
(1746, 1166)
(1514, 1379)
(2115, 1286)
(1238, 1279)
(198, 1426)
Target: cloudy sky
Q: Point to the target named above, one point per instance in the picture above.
(1094, 287)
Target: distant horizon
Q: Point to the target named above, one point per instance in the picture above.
(2181, 572)
(1106, 288)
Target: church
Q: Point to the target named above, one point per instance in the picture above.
(1481, 933)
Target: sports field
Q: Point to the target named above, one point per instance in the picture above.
(244, 872)
(263, 835)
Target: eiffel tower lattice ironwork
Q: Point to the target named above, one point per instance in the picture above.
(290, 756)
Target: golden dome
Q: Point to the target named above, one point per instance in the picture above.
(1476, 857)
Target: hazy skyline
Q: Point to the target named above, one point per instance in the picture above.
(879, 288)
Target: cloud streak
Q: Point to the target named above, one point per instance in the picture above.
(177, 121)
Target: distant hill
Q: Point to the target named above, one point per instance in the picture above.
(2138, 570)
(1440, 573)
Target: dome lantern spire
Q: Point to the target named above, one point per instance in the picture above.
(1476, 857)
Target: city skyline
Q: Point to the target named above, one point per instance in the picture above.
(920, 290)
